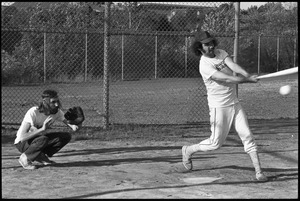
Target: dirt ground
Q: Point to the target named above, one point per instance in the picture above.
(152, 168)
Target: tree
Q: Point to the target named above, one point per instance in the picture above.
(65, 52)
(272, 20)
(220, 20)
(9, 37)
(179, 21)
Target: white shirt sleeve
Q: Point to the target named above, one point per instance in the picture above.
(30, 116)
(206, 69)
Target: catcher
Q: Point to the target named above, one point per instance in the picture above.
(35, 139)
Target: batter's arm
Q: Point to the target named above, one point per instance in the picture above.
(235, 67)
(222, 77)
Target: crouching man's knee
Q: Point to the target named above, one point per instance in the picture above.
(66, 137)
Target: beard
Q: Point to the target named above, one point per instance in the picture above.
(53, 110)
(45, 108)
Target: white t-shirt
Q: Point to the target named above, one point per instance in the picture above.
(36, 119)
(219, 94)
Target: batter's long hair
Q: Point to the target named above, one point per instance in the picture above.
(197, 46)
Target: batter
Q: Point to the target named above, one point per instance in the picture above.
(216, 69)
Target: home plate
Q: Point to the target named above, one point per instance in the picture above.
(201, 180)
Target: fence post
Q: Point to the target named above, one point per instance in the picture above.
(258, 55)
(122, 52)
(277, 61)
(106, 66)
(295, 50)
(155, 57)
(236, 39)
(45, 44)
(185, 59)
(85, 63)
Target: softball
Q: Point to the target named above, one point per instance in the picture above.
(285, 90)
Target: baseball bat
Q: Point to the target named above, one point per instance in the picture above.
(283, 74)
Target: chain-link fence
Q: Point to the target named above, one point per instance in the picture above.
(269, 53)
(153, 76)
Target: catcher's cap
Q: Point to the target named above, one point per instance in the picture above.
(203, 37)
(49, 94)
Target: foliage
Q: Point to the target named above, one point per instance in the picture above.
(25, 64)
(220, 20)
(65, 52)
(9, 68)
(8, 22)
(271, 19)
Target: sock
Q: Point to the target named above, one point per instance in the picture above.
(255, 160)
(193, 149)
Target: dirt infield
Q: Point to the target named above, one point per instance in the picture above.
(126, 166)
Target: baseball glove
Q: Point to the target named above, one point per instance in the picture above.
(74, 115)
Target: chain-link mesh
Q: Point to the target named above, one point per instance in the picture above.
(153, 75)
(269, 37)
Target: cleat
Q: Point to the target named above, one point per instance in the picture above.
(42, 158)
(26, 164)
(186, 160)
(261, 177)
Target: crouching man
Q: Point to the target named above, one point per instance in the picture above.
(34, 138)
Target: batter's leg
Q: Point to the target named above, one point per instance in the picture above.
(220, 122)
(250, 147)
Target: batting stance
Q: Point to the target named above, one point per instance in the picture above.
(35, 140)
(216, 69)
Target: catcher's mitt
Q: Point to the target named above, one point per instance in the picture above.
(74, 115)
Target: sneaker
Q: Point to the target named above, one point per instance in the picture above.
(42, 158)
(261, 177)
(186, 160)
(26, 163)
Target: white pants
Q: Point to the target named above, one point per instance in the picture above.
(221, 120)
